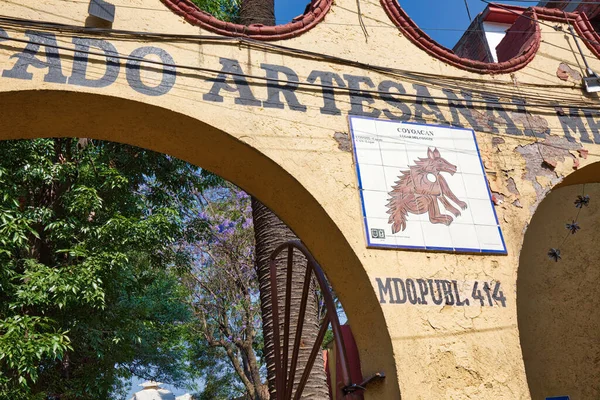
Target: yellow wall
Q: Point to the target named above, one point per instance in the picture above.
(557, 301)
(296, 163)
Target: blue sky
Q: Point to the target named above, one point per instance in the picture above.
(443, 20)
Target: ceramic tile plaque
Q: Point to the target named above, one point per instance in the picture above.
(423, 187)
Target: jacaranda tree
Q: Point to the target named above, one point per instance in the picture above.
(224, 287)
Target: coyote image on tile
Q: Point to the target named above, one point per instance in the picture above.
(420, 188)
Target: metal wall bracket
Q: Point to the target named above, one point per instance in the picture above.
(363, 385)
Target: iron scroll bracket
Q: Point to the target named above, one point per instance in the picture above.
(363, 385)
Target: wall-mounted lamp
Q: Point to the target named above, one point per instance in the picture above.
(591, 82)
(103, 10)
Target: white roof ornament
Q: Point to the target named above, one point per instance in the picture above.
(150, 384)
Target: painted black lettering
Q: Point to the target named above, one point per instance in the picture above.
(459, 302)
(424, 105)
(399, 284)
(433, 291)
(525, 118)
(462, 106)
(29, 57)
(81, 60)
(494, 110)
(327, 78)
(233, 69)
(443, 292)
(423, 290)
(593, 123)
(359, 96)
(448, 292)
(411, 291)
(133, 68)
(573, 123)
(388, 97)
(274, 89)
(385, 289)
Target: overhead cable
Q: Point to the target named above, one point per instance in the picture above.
(136, 35)
(419, 77)
(468, 11)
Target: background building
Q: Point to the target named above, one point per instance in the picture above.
(153, 391)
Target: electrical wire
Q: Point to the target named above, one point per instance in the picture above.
(362, 25)
(134, 35)
(411, 98)
(572, 228)
(385, 26)
(193, 89)
(483, 103)
(537, 1)
(360, 20)
(468, 11)
(429, 28)
(431, 79)
(434, 81)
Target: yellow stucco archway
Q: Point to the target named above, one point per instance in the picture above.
(45, 113)
(267, 108)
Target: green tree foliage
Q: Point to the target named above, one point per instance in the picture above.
(219, 380)
(90, 251)
(225, 10)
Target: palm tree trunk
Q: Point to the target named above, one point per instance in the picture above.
(257, 12)
(269, 232)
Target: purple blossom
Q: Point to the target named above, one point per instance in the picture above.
(226, 227)
(241, 195)
(203, 215)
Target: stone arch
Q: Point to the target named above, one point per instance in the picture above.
(32, 114)
(557, 302)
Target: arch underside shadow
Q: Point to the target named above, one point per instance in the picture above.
(558, 302)
(37, 114)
